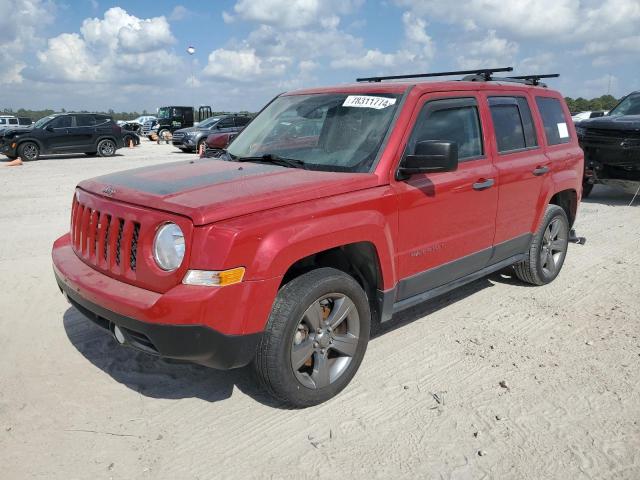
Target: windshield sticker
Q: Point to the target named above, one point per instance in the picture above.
(562, 130)
(363, 101)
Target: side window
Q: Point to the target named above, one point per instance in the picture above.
(101, 119)
(452, 120)
(242, 121)
(555, 123)
(85, 120)
(226, 122)
(512, 123)
(3, 121)
(63, 121)
(13, 121)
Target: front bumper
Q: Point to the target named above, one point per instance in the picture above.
(178, 324)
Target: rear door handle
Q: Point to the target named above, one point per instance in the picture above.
(540, 170)
(483, 184)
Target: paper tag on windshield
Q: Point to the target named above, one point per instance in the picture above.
(563, 131)
(364, 101)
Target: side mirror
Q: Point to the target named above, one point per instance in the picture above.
(49, 128)
(430, 156)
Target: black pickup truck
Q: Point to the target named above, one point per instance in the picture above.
(611, 147)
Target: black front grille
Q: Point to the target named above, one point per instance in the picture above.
(134, 246)
(118, 240)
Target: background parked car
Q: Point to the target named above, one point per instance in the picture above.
(190, 139)
(8, 121)
(216, 143)
(578, 117)
(92, 134)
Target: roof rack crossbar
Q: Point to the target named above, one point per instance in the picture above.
(535, 79)
(484, 72)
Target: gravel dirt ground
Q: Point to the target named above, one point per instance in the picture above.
(426, 403)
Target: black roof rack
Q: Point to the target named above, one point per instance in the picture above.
(485, 73)
(535, 79)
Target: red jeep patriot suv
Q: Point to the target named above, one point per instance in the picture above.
(335, 208)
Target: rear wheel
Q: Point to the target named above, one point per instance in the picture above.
(315, 338)
(106, 148)
(548, 249)
(29, 151)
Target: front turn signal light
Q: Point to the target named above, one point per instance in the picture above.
(214, 278)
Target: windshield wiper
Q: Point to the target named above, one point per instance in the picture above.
(275, 159)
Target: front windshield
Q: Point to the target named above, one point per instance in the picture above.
(40, 123)
(164, 112)
(208, 122)
(628, 106)
(335, 132)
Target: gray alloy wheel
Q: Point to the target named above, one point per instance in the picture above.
(554, 246)
(548, 249)
(106, 148)
(315, 338)
(29, 151)
(325, 341)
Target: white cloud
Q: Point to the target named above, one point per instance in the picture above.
(118, 48)
(243, 65)
(179, 12)
(20, 24)
(292, 13)
(491, 51)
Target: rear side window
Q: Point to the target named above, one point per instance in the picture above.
(554, 121)
(85, 120)
(13, 121)
(241, 121)
(225, 123)
(512, 124)
(451, 120)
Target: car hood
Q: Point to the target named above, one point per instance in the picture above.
(12, 131)
(210, 190)
(623, 122)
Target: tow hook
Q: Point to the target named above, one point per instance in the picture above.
(573, 238)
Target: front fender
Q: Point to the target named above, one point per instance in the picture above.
(268, 243)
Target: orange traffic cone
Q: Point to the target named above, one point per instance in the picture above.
(130, 143)
(14, 163)
(201, 152)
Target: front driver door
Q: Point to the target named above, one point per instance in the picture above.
(56, 133)
(446, 219)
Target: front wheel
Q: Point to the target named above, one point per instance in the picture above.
(106, 148)
(29, 151)
(548, 249)
(315, 339)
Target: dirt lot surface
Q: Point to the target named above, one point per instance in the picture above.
(426, 403)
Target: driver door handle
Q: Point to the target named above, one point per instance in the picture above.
(540, 170)
(483, 184)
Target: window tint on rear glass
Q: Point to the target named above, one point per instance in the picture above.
(555, 124)
(512, 123)
(85, 120)
(241, 121)
(452, 120)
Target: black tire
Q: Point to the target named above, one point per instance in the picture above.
(106, 148)
(29, 151)
(542, 265)
(285, 329)
(586, 189)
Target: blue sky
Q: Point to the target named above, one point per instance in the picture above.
(98, 54)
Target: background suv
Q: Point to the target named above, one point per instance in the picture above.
(64, 133)
(190, 139)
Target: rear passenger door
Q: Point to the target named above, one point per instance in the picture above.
(85, 132)
(522, 167)
(446, 219)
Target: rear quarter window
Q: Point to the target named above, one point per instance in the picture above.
(556, 128)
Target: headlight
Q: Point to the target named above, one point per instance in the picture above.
(168, 247)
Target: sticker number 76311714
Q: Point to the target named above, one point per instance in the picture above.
(365, 101)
